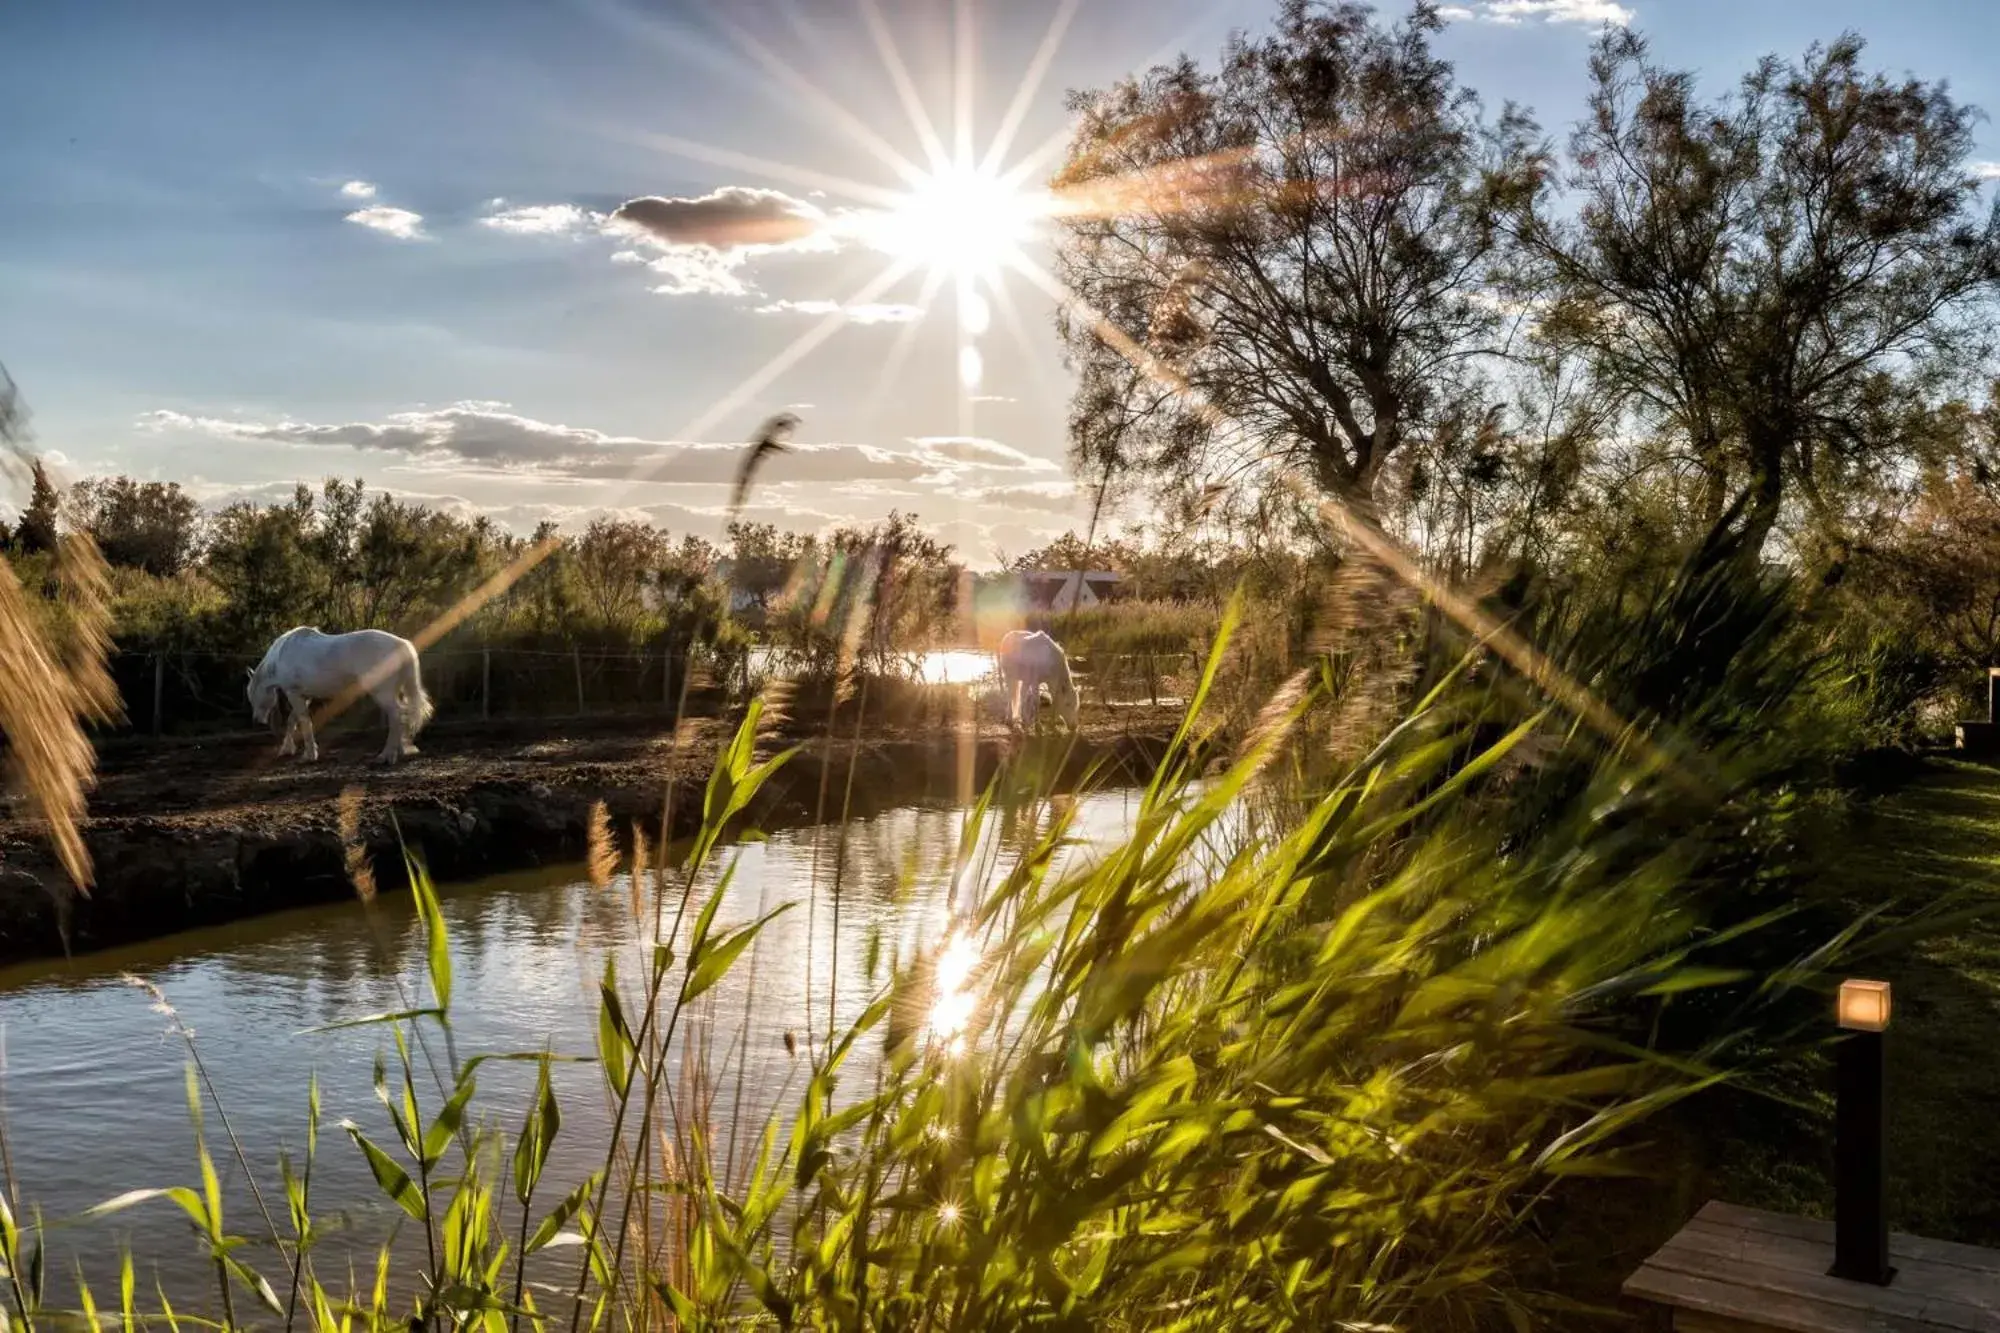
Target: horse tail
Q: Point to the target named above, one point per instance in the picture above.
(417, 708)
(1067, 702)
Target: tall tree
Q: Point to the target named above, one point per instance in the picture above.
(261, 557)
(763, 561)
(36, 529)
(1773, 285)
(1298, 237)
(149, 525)
(617, 560)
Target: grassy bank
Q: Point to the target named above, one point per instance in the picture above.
(1933, 845)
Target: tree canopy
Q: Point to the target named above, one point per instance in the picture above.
(1291, 248)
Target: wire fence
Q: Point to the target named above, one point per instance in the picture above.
(171, 692)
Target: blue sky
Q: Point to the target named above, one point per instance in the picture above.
(245, 244)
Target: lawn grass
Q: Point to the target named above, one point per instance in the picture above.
(1916, 846)
(1937, 836)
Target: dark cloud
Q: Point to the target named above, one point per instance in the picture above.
(731, 218)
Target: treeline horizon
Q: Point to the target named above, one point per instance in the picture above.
(189, 580)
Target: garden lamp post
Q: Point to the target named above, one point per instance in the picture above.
(1860, 1173)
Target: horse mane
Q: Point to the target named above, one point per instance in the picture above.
(264, 663)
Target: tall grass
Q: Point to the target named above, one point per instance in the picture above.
(1318, 1071)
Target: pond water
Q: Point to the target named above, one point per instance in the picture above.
(93, 1074)
(943, 666)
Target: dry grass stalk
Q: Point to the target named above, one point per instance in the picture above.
(601, 849)
(1361, 617)
(50, 760)
(846, 674)
(639, 868)
(353, 851)
(1274, 721)
(777, 712)
(85, 583)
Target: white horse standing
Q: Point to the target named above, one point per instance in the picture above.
(303, 664)
(1029, 660)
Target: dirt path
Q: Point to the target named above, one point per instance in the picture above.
(187, 833)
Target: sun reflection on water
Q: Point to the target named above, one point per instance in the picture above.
(952, 1009)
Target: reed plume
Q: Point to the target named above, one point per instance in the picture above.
(353, 851)
(601, 856)
(50, 685)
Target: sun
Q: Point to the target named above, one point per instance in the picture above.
(960, 221)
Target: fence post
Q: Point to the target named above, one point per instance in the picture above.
(576, 661)
(485, 683)
(1153, 679)
(159, 688)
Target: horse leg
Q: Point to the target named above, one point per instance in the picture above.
(1010, 690)
(392, 747)
(302, 724)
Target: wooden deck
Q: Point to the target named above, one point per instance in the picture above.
(1741, 1270)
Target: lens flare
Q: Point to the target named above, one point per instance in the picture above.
(960, 220)
(956, 1000)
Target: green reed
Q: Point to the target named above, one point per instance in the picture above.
(1314, 1071)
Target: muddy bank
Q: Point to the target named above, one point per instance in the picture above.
(194, 834)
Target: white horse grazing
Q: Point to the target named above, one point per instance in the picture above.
(303, 664)
(1028, 661)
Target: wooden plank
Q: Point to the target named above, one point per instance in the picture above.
(1703, 1247)
(1901, 1246)
(1924, 1307)
(1718, 1299)
(1734, 1267)
(1693, 1321)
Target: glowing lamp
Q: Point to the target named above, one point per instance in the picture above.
(1864, 1006)
(1860, 1140)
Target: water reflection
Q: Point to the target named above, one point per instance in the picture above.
(945, 666)
(94, 1102)
(956, 997)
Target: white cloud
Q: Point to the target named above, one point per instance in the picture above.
(691, 270)
(799, 308)
(1591, 12)
(958, 451)
(884, 313)
(628, 257)
(542, 219)
(478, 439)
(1986, 171)
(1455, 13)
(400, 223)
(1051, 496)
(358, 190)
(866, 313)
